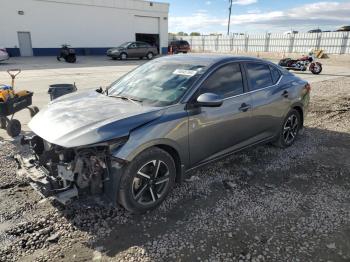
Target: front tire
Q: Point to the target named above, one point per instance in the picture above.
(123, 56)
(316, 68)
(147, 180)
(290, 129)
(71, 59)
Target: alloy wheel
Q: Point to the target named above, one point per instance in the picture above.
(317, 68)
(290, 129)
(151, 182)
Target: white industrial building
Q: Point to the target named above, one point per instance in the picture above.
(40, 27)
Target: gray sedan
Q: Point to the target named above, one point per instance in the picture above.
(133, 50)
(135, 140)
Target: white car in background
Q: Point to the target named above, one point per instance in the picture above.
(3, 54)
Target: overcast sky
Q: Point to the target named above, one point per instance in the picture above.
(209, 16)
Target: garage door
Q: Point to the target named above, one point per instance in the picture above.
(146, 25)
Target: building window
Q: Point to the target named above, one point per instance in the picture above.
(20, 12)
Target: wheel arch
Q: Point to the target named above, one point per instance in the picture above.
(120, 55)
(164, 144)
(300, 110)
(176, 156)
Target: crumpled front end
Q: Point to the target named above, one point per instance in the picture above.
(67, 173)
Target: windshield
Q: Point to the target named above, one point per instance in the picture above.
(125, 45)
(157, 83)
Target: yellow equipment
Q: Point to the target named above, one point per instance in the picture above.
(11, 102)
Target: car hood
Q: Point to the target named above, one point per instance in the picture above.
(117, 49)
(90, 117)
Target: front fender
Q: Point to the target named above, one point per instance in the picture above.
(170, 130)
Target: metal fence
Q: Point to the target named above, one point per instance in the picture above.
(330, 42)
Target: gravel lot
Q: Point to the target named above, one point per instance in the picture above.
(263, 204)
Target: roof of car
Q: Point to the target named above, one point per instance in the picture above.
(208, 59)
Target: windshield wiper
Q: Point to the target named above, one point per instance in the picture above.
(133, 100)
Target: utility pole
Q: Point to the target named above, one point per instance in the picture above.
(229, 17)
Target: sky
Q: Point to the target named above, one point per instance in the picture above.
(210, 16)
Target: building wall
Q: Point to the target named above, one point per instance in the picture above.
(91, 26)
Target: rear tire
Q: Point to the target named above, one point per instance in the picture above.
(14, 128)
(289, 130)
(147, 180)
(150, 56)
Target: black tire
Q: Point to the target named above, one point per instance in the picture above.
(185, 52)
(137, 192)
(71, 59)
(287, 137)
(316, 70)
(141, 58)
(114, 58)
(33, 110)
(123, 56)
(150, 56)
(3, 123)
(13, 128)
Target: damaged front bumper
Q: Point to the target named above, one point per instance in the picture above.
(42, 182)
(65, 174)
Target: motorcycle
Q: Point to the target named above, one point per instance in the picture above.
(302, 64)
(67, 53)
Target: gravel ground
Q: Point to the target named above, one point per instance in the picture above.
(263, 204)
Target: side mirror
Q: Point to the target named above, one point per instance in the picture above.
(210, 100)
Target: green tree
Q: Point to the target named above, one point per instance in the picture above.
(195, 34)
(182, 34)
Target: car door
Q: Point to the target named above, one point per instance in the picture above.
(142, 49)
(132, 50)
(214, 131)
(269, 98)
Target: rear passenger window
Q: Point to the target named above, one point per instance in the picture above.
(276, 74)
(226, 81)
(259, 76)
(143, 45)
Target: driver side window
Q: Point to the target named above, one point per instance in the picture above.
(132, 46)
(226, 81)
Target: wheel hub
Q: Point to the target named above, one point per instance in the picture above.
(150, 182)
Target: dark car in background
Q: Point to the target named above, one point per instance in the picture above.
(315, 31)
(133, 141)
(133, 50)
(345, 28)
(179, 46)
(3, 54)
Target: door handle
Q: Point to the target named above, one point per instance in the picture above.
(244, 107)
(285, 93)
